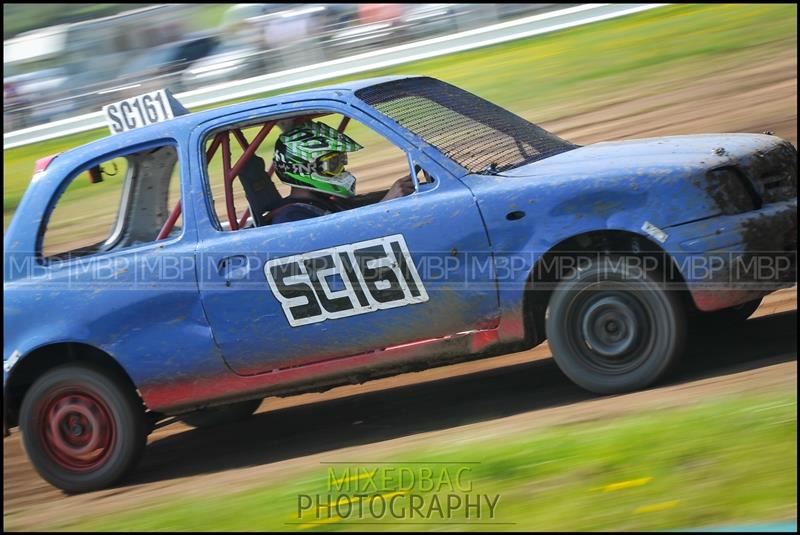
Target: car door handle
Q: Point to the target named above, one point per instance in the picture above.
(233, 267)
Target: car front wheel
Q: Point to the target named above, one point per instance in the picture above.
(83, 429)
(613, 326)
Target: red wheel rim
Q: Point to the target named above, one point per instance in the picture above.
(77, 430)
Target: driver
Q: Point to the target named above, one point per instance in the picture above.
(311, 158)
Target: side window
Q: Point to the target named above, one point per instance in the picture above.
(378, 164)
(256, 187)
(423, 177)
(121, 202)
(234, 140)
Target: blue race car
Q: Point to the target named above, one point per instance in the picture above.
(153, 295)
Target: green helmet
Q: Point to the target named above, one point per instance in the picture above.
(312, 156)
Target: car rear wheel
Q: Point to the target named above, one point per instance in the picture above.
(83, 429)
(613, 327)
(233, 412)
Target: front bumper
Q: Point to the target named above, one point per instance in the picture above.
(729, 260)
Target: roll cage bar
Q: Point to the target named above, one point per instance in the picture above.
(230, 172)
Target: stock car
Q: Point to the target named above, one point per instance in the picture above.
(197, 311)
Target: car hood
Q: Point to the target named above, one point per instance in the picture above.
(648, 156)
(665, 181)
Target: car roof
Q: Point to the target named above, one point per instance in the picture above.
(193, 119)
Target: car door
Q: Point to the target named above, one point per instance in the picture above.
(398, 271)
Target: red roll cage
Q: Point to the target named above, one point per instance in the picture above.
(230, 172)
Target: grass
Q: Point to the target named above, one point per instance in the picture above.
(558, 74)
(728, 461)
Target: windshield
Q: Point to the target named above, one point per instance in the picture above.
(476, 134)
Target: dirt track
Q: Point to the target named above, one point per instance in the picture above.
(456, 403)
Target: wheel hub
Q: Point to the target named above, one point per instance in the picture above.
(77, 431)
(610, 326)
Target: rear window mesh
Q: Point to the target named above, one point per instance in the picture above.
(476, 134)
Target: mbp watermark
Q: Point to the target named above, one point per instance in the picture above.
(418, 493)
(383, 270)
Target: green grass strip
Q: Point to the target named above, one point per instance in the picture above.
(724, 462)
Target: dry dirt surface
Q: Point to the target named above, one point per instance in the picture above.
(471, 400)
(754, 98)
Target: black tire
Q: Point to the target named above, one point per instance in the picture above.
(223, 414)
(83, 429)
(613, 327)
(726, 316)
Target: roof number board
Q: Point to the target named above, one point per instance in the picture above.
(139, 111)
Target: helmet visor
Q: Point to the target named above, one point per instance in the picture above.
(331, 164)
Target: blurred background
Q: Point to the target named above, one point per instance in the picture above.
(60, 62)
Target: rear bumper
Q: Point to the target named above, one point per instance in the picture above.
(729, 260)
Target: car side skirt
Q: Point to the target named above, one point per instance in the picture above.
(183, 395)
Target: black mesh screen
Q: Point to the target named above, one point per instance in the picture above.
(475, 133)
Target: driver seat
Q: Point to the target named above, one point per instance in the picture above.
(261, 193)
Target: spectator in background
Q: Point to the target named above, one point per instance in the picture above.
(369, 13)
(15, 110)
(293, 33)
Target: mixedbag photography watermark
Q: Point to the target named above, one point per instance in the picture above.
(416, 493)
